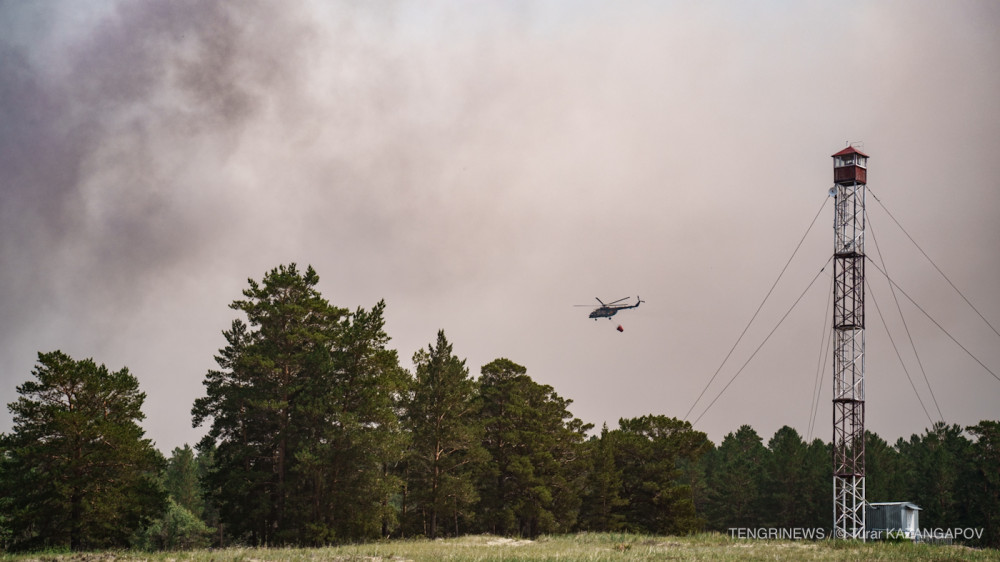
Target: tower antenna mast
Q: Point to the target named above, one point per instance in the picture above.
(850, 176)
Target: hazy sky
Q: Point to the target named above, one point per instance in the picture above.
(485, 166)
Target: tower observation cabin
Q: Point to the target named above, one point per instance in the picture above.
(850, 166)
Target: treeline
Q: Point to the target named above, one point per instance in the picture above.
(316, 435)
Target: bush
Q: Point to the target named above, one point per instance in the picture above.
(178, 529)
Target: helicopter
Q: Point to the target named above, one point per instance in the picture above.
(607, 310)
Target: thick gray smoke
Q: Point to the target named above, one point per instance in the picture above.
(484, 167)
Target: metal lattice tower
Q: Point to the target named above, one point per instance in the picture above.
(850, 178)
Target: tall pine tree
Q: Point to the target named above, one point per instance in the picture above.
(735, 478)
(650, 451)
(535, 481)
(794, 483)
(446, 447)
(940, 473)
(359, 439)
(885, 471)
(78, 471)
(303, 416)
(268, 367)
(985, 489)
(602, 501)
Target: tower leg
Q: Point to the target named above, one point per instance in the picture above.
(849, 363)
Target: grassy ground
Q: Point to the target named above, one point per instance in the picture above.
(583, 547)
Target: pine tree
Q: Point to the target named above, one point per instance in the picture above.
(602, 501)
(268, 366)
(695, 474)
(446, 447)
(534, 483)
(303, 417)
(204, 461)
(985, 488)
(788, 487)
(180, 479)
(885, 471)
(940, 473)
(650, 451)
(359, 441)
(237, 481)
(79, 472)
(819, 475)
(736, 477)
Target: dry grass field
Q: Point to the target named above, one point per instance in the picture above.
(596, 547)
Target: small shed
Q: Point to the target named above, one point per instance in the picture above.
(893, 519)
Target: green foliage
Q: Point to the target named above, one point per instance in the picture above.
(446, 449)
(317, 436)
(366, 437)
(6, 530)
(939, 474)
(602, 501)
(180, 480)
(818, 486)
(953, 479)
(886, 471)
(650, 451)
(984, 488)
(177, 529)
(796, 482)
(77, 471)
(204, 461)
(535, 481)
(303, 417)
(735, 480)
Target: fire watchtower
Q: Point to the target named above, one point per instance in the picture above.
(850, 176)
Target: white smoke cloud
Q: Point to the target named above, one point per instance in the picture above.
(482, 168)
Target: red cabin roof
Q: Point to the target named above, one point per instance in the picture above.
(850, 150)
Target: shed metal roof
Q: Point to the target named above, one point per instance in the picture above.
(904, 504)
(851, 150)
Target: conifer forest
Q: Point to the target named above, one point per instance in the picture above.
(314, 434)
